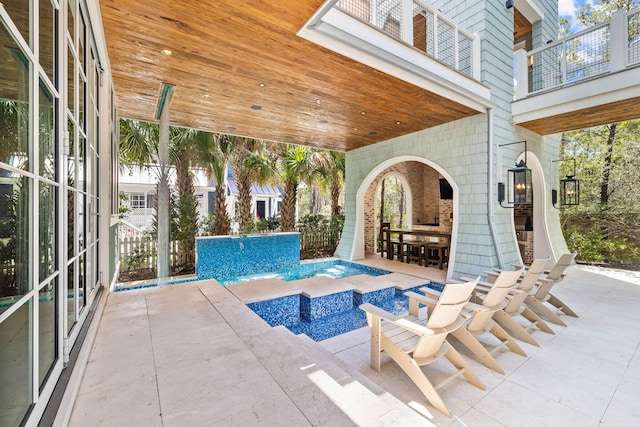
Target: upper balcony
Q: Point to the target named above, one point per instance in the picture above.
(591, 78)
(406, 39)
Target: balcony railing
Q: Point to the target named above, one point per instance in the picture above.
(422, 27)
(605, 48)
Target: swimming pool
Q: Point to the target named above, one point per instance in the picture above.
(335, 269)
(289, 312)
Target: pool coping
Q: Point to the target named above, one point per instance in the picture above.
(315, 287)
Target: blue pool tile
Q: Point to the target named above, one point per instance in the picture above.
(280, 311)
(373, 297)
(315, 308)
(220, 257)
(332, 323)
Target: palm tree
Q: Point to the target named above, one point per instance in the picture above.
(251, 166)
(186, 222)
(138, 142)
(214, 152)
(295, 163)
(331, 177)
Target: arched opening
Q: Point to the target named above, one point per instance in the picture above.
(393, 204)
(427, 209)
(530, 221)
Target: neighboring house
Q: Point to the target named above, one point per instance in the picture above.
(423, 90)
(139, 187)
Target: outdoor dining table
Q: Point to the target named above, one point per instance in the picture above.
(441, 247)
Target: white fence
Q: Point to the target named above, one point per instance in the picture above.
(141, 252)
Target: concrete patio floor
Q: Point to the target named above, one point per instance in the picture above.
(194, 355)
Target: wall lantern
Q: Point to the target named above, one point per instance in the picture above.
(569, 190)
(519, 187)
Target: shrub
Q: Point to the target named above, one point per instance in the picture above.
(268, 224)
(207, 226)
(593, 246)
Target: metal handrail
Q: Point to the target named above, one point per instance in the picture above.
(595, 51)
(447, 43)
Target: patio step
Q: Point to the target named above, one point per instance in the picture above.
(315, 375)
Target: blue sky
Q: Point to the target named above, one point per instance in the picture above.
(570, 8)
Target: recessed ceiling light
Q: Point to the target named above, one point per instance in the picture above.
(398, 122)
(323, 122)
(318, 101)
(262, 84)
(206, 95)
(231, 128)
(256, 107)
(355, 128)
(166, 52)
(363, 112)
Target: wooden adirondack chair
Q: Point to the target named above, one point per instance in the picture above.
(412, 345)
(541, 292)
(479, 314)
(516, 306)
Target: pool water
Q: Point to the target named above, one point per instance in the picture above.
(336, 324)
(334, 269)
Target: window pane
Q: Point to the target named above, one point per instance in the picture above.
(48, 38)
(19, 11)
(71, 297)
(47, 230)
(80, 222)
(71, 72)
(82, 86)
(81, 282)
(71, 220)
(71, 15)
(82, 142)
(47, 134)
(71, 161)
(14, 103)
(81, 36)
(15, 393)
(47, 327)
(14, 236)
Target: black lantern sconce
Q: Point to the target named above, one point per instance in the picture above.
(569, 190)
(519, 188)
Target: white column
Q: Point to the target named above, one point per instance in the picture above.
(407, 21)
(618, 32)
(522, 74)
(163, 192)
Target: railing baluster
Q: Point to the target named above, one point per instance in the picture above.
(445, 45)
(605, 48)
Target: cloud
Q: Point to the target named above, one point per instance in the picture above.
(566, 8)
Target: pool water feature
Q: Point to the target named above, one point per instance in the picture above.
(328, 316)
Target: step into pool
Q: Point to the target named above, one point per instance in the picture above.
(334, 314)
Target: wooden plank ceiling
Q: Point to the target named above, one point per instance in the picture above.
(232, 55)
(521, 26)
(588, 117)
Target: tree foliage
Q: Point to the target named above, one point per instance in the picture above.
(606, 224)
(608, 166)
